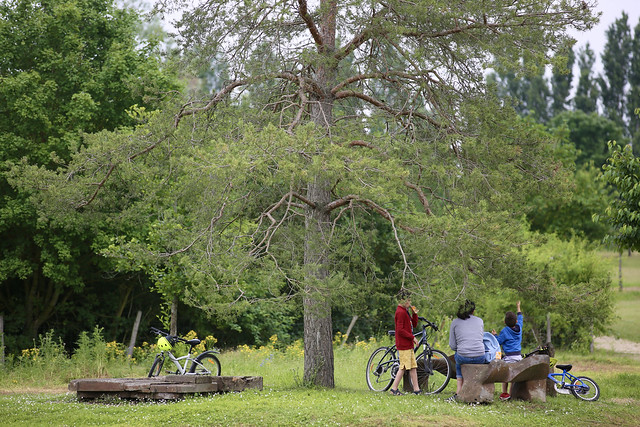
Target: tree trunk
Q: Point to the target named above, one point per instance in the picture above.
(42, 297)
(620, 271)
(173, 326)
(318, 328)
(548, 327)
(1, 341)
(134, 334)
(346, 336)
(318, 343)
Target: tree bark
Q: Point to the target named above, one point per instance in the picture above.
(318, 343)
(40, 302)
(620, 271)
(346, 336)
(134, 334)
(548, 327)
(1, 340)
(173, 326)
(318, 328)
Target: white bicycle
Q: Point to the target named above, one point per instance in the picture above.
(205, 363)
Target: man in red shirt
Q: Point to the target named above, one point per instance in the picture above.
(406, 319)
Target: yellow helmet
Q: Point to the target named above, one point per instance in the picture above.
(164, 344)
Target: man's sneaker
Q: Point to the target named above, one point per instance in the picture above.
(505, 396)
(453, 398)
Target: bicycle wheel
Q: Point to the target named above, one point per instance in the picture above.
(585, 388)
(156, 368)
(206, 364)
(434, 371)
(381, 369)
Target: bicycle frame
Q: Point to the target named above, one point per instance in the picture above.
(382, 372)
(182, 365)
(559, 378)
(423, 341)
(181, 369)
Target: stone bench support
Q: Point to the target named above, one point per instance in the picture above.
(528, 378)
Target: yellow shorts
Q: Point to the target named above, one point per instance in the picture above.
(407, 359)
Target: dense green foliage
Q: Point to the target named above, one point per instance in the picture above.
(67, 67)
(324, 175)
(622, 172)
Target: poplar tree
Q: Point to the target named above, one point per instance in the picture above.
(561, 80)
(616, 61)
(633, 100)
(587, 93)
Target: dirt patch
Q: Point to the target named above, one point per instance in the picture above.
(617, 345)
(36, 390)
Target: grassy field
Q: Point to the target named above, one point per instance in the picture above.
(36, 394)
(627, 324)
(283, 401)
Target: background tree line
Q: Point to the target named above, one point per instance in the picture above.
(322, 160)
(588, 110)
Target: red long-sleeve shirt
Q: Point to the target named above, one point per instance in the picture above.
(404, 328)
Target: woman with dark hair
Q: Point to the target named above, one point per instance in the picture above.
(466, 339)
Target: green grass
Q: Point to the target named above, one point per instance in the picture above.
(630, 268)
(283, 401)
(36, 394)
(626, 325)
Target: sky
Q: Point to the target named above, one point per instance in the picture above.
(611, 10)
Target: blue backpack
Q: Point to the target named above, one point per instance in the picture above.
(491, 347)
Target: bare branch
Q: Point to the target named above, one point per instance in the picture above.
(387, 215)
(304, 14)
(100, 185)
(341, 202)
(421, 196)
(112, 167)
(212, 102)
(381, 105)
(303, 105)
(213, 221)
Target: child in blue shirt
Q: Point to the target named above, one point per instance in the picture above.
(510, 339)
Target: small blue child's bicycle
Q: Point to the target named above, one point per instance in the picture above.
(581, 387)
(564, 383)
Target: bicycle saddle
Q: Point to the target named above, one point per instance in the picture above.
(194, 342)
(392, 333)
(564, 367)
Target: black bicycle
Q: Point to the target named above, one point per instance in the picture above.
(205, 363)
(434, 367)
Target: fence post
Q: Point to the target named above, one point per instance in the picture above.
(346, 336)
(134, 334)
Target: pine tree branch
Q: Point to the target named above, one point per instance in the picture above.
(308, 20)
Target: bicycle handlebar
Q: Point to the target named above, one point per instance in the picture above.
(166, 334)
(431, 325)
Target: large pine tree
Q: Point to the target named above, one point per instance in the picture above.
(381, 110)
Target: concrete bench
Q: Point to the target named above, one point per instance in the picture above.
(528, 378)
